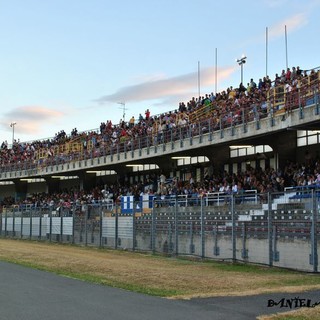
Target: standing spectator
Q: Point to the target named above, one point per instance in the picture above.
(252, 84)
(299, 72)
(288, 75)
(131, 122)
(147, 113)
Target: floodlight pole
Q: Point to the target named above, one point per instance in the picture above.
(241, 62)
(12, 124)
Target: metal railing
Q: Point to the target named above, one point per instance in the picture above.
(277, 103)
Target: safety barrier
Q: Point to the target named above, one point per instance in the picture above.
(271, 229)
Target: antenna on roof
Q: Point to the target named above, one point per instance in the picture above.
(123, 109)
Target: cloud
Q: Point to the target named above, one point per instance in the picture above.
(292, 23)
(307, 4)
(29, 119)
(277, 30)
(168, 89)
(275, 3)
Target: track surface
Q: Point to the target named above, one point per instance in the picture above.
(28, 294)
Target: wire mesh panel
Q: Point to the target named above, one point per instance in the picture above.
(86, 224)
(79, 224)
(117, 229)
(163, 226)
(109, 234)
(218, 226)
(8, 222)
(142, 224)
(187, 231)
(279, 229)
(294, 226)
(253, 229)
(93, 231)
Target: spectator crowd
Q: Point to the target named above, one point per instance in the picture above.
(231, 106)
(226, 107)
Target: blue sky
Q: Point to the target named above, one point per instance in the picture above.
(68, 63)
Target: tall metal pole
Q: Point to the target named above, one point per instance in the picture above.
(266, 51)
(12, 124)
(286, 43)
(241, 62)
(199, 79)
(216, 72)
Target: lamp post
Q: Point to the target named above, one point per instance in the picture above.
(241, 62)
(12, 124)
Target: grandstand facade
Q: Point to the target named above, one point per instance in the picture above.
(235, 177)
(266, 131)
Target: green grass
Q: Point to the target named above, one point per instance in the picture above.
(171, 284)
(140, 288)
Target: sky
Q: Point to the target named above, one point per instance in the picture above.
(68, 64)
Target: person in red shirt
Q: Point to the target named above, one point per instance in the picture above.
(147, 113)
(288, 75)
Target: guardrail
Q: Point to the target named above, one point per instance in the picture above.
(282, 232)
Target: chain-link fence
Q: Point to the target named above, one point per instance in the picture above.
(270, 229)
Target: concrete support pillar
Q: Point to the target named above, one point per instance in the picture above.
(52, 185)
(218, 157)
(285, 147)
(87, 181)
(167, 166)
(21, 189)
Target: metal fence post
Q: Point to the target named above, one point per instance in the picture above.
(30, 227)
(181, 141)
(275, 252)
(100, 226)
(170, 243)
(233, 230)
(176, 229)
(92, 223)
(314, 238)
(0, 223)
(40, 224)
(133, 224)
(191, 238)
(116, 229)
(86, 225)
(244, 254)
(270, 230)
(74, 223)
(210, 130)
(216, 249)
(5, 224)
(50, 225)
(171, 139)
(61, 225)
(202, 229)
(153, 228)
(316, 100)
(21, 224)
(13, 223)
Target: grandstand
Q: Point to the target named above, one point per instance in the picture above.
(221, 170)
(204, 129)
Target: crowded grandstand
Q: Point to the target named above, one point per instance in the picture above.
(290, 90)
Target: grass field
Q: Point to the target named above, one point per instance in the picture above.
(157, 275)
